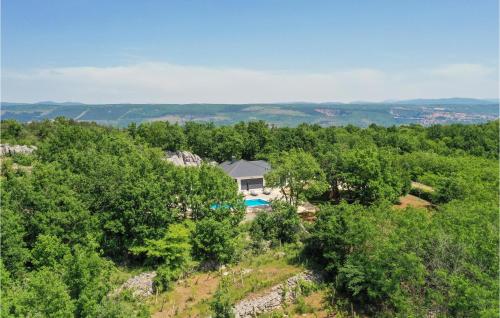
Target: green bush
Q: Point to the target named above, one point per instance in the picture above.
(22, 159)
(165, 277)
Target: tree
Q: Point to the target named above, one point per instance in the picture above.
(205, 187)
(172, 250)
(364, 174)
(214, 241)
(199, 138)
(48, 251)
(227, 144)
(256, 136)
(162, 134)
(87, 276)
(281, 225)
(298, 176)
(12, 244)
(45, 295)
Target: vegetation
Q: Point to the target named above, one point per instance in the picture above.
(92, 198)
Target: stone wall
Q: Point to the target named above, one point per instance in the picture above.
(274, 298)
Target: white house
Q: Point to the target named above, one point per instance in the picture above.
(248, 174)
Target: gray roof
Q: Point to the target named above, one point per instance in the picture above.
(243, 168)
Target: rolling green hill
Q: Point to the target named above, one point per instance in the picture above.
(286, 114)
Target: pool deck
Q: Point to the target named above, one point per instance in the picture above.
(274, 195)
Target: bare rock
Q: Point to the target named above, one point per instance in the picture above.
(140, 285)
(183, 158)
(6, 149)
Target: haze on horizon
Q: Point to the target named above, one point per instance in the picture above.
(248, 52)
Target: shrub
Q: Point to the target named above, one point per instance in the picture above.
(165, 276)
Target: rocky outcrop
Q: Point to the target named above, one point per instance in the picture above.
(140, 285)
(275, 298)
(6, 149)
(183, 158)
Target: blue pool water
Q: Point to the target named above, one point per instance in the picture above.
(248, 203)
(255, 202)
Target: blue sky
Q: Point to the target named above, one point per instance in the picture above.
(248, 51)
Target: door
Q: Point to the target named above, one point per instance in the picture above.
(249, 184)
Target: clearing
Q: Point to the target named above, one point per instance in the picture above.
(411, 200)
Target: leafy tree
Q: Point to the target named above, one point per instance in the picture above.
(280, 225)
(365, 175)
(48, 251)
(298, 176)
(227, 144)
(44, 295)
(256, 136)
(203, 188)
(49, 205)
(12, 244)
(214, 241)
(162, 134)
(173, 250)
(199, 138)
(409, 263)
(87, 276)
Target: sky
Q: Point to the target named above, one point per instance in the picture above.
(152, 51)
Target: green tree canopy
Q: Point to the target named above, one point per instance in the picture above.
(298, 176)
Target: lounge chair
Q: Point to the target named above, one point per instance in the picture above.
(253, 192)
(266, 191)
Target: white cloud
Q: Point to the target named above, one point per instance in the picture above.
(169, 83)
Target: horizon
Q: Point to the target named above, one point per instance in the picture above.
(244, 53)
(390, 101)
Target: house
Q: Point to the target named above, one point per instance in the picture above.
(248, 174)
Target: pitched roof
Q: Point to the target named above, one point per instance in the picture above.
(243, 168)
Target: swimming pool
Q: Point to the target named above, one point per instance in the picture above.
(255, 202)
(251, 203)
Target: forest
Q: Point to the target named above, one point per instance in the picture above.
(93, 200)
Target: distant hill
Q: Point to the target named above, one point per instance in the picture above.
(418, 111)
(445, 101)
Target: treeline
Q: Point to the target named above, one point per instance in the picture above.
(256, 139)
(92, 197)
